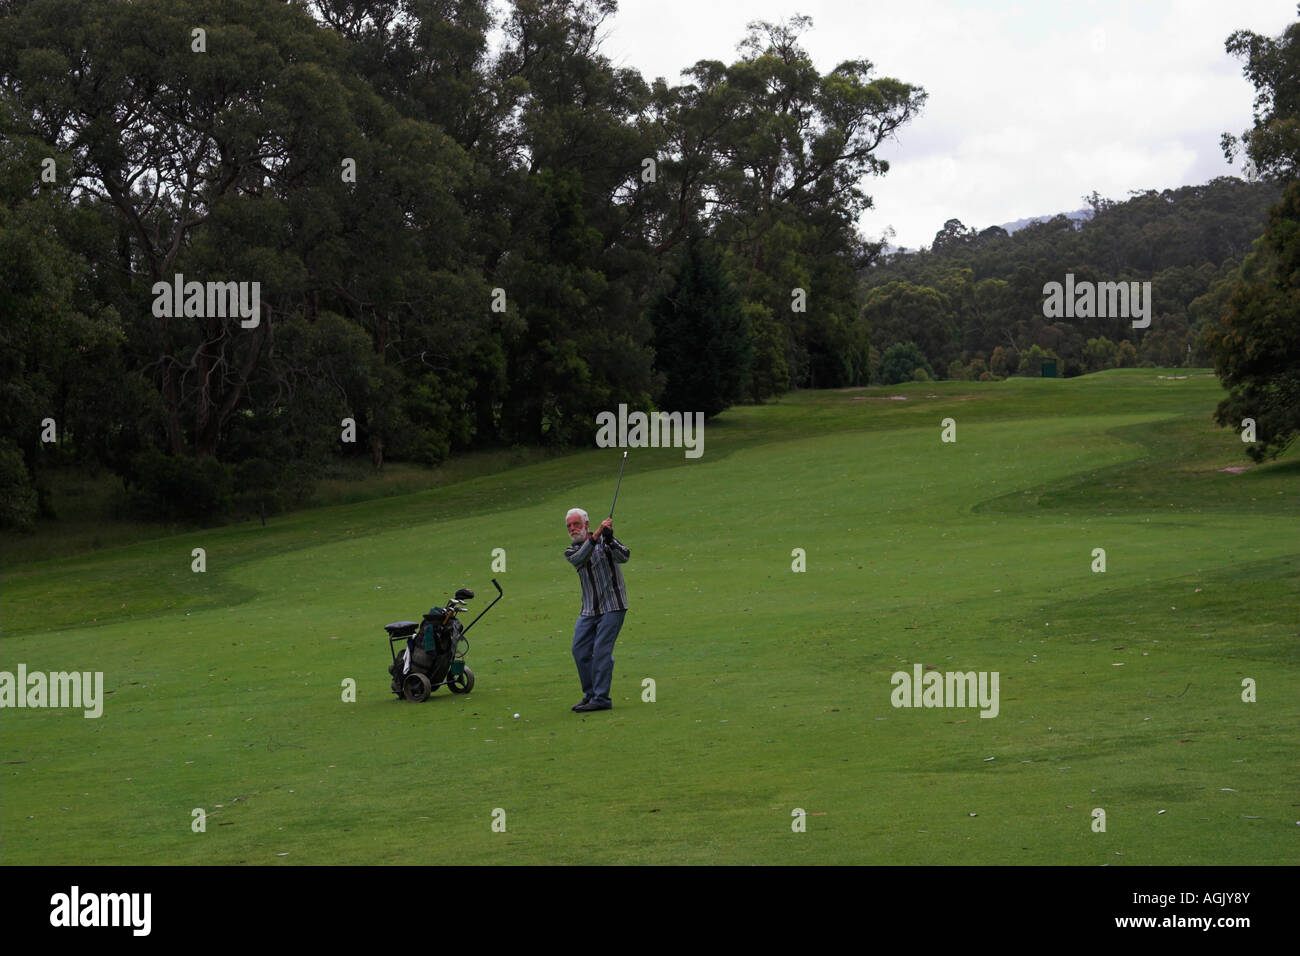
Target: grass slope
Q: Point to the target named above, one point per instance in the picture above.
(1119, 691)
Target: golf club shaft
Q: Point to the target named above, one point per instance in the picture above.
(618, 486)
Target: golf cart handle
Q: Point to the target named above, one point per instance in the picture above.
(500, 595)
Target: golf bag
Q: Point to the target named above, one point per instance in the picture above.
(430, 648)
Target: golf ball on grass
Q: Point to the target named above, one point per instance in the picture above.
(516, 716)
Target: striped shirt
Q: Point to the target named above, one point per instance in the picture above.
(602, 581)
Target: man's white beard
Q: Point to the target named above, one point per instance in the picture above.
(578, 536)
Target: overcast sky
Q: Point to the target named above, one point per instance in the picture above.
(1031, 105)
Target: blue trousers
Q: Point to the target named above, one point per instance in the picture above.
(593, 652)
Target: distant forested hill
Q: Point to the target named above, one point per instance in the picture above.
(1079, 215)
(973, 302)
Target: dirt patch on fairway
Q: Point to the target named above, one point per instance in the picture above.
(1235, 469)
(904, 398)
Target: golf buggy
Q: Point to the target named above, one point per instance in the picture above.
(435, 650)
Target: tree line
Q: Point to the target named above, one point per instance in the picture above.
(456, 245)
(462, 245)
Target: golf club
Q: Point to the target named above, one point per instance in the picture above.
(616, 487)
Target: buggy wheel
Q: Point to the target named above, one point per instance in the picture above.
(462, 684)
(416, 688)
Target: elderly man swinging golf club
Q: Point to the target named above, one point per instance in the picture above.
(596, 558)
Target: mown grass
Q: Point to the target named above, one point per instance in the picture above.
(1118, 690)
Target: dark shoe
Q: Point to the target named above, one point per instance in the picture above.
(592, 705)
(581, 703)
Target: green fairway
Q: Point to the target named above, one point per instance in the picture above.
(1119, 690)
